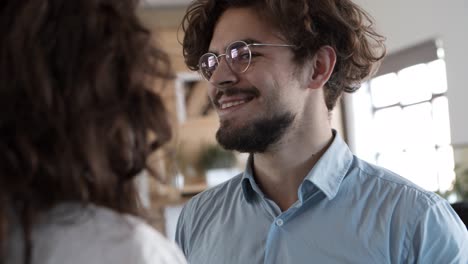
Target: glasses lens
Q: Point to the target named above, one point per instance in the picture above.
(208, 64)
(238, 56)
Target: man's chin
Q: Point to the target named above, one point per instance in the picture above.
(234, 138)
(255, 137)
(230, 141)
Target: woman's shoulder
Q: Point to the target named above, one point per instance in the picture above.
(94, 234)
(150, 245)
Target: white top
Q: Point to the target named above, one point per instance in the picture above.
(71, 234)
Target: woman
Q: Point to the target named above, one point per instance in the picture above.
(76, 111)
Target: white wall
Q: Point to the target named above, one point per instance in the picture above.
(406, 23)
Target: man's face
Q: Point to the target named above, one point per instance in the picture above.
(257, 107)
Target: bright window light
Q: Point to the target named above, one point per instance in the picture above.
(401, 122)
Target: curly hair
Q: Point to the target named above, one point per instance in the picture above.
(307, 24)
(77, 106)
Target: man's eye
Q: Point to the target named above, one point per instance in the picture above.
(255, 54)
(245, 56)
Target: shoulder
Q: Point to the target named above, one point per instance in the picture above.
(420, 214)
(139, 240)
(391, 184)
(101, 235)
(394, 195)
(150, 246)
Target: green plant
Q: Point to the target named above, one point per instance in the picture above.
(460, 186)
(212, 156)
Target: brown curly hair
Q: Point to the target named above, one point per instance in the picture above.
(307, 24)
(77, 104)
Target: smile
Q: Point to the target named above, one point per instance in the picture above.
(231, 104)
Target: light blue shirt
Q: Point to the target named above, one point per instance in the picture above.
(348, 211)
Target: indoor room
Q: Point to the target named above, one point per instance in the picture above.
(409, 118)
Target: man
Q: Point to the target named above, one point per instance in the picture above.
(276, 69)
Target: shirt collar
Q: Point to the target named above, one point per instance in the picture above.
(249, 186)
(330, 170)
(326, 175)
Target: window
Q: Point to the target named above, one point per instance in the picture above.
(401, 118)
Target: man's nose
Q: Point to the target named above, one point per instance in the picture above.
(224, 76)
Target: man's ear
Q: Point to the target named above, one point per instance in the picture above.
(323, 64)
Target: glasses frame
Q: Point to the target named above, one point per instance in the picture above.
(226, 52)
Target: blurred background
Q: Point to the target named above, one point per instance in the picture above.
(410, 118)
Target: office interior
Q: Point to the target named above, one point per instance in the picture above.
(410, 118)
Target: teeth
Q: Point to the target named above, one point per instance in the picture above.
(231, 104)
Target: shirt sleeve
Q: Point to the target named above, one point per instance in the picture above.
(439, 237)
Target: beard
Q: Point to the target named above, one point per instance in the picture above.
(255, 137)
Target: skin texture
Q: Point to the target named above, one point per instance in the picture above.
(274, 86)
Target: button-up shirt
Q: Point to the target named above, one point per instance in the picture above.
(348, 211)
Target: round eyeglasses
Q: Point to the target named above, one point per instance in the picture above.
(238, 57)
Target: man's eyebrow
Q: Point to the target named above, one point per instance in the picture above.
(247, 40)
(251, 40)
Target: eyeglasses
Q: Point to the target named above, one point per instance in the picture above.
(238, 57)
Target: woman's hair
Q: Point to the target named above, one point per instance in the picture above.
(77, 106)
(307, 24)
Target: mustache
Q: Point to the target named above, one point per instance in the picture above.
(253, 91)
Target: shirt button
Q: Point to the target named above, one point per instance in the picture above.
(279, 222)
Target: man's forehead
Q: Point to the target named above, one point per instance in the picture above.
(238, 24)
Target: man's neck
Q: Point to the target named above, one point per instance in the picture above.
(279, 172)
